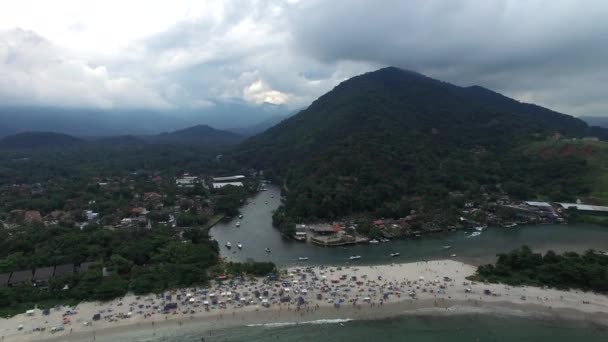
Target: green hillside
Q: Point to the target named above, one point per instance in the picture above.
(392, 140)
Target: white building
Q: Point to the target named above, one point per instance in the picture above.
(186, 181)
(221, 185)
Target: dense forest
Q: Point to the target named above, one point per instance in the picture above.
(390, 141)
(588, 271)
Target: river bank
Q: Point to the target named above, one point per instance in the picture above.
(360, 293)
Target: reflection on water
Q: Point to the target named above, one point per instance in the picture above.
(256, 233)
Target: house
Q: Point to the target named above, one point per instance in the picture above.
(85, 266)
(20, 277)
(42, 275)
(64, 270)
(32, 216)
(4, 277)
(153, 198)
(322, 229)
(91, 215)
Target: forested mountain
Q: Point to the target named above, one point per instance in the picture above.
(379, 140)
(200, 135)
(39, 139)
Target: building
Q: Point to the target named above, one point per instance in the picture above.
(4, 277)
(593, 209)
(64, 270)
(221, 185)
(20, 277)
(228, 179)
(85, 266)
(42, 275)
(186, 181)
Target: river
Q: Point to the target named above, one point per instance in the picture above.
(256, 233)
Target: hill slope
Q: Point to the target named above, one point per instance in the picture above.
(200, 135)
(39, 140)
(380, 140)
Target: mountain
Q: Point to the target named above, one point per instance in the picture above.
(392, 140)
(97, 122)
(601, 121)
(262, 126)
(39, 140)
(200, 135)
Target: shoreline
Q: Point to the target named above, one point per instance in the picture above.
(384, 295)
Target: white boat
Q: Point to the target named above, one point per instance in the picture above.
(238, 224)
(447, 247)
(385, 240)
(453, 255)
(303, 258)
(267, 250)
(474, 234)
(355, 257)
(395, 254)
(241, 216)
(228, 245)
(374, 241)
(480, 228)
(239, 245)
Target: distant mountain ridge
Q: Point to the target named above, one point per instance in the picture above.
(39, 140)
(200, 135)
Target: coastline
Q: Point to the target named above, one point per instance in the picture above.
(544, 304)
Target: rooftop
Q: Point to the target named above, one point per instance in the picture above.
(585, 207)
(228, 178)
(221, 185)
(64, 269)
(21, 277)
(43, 273)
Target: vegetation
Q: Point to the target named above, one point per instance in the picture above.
(569, 270)
(390, 141)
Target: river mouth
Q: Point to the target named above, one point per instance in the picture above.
(256, 233)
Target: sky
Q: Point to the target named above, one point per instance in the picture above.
(194, 54)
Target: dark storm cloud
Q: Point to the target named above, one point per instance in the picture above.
(553, 52)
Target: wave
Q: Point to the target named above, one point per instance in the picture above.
(287, 324)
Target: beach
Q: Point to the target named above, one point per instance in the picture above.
(311, 295)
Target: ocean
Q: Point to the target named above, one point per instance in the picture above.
(406, 328)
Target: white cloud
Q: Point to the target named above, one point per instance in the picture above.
(259, 92)
(34, 71)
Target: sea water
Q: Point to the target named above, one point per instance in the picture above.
(406, 328)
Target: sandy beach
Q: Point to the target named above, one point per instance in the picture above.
(305, 295)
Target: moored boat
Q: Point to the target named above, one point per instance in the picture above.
(228, 245)
(355, 257)
(239, 245)
(395, 254)
(303, 258)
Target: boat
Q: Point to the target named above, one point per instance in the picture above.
(474, 234)
(453, 255)
(267, 250)
(395, 255)
(385, 240)
(238, 224)
(241, 216)
(303, 258)
(355, 257)
(512, 225)
(374, 241)
(239, 245)
(228, 245)
(447, 247)
(480, 228)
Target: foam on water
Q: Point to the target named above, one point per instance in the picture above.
(287, 324)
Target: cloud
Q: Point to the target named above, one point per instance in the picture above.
(190, 54)
(550, 51)
(34, 71)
